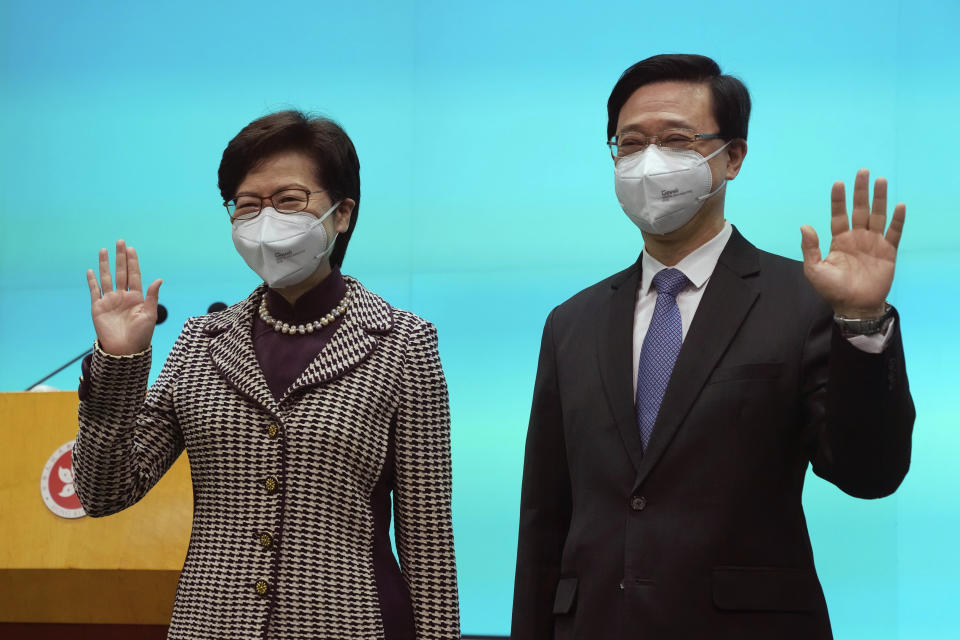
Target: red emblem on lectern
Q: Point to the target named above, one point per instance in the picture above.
(56, 484)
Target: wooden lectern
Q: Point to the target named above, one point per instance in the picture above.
(118, 570)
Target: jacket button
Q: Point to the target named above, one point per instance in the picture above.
(638, 503)
(271, 484)
(261, 587)
(273, 430)
(266, 540)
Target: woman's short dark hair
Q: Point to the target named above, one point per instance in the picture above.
(338, 168)
(731, 100)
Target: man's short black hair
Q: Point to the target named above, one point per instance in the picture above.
(731, 100)
(322, 139)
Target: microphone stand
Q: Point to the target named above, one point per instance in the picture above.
(161, 316)
(50, 375)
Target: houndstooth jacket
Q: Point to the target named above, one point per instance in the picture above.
(282, 526)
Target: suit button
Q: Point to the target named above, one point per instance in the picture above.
(273, 430)
(638, 503)
(261, 587)
(271, 484)
(266, 540)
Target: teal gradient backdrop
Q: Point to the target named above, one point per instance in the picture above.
(488, 199)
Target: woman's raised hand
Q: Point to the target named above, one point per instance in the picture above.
(123, 317)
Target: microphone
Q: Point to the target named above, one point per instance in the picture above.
(161, 317)
(216, 306)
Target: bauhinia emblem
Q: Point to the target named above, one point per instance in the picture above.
(56, 484)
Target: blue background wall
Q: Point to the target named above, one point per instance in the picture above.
(487, 199)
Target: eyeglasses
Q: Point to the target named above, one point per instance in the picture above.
(624, 144)
(284, 201)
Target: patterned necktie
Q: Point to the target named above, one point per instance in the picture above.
(660, 349)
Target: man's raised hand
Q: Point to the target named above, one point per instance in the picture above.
(857, 273)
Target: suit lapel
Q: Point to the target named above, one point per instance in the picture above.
(615, 353)
(723, 308)
(231, 348)
(366, 318)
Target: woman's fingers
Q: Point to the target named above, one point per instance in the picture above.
(94, 287)
(121, 265)
(128, 301)
(134, 282)
(106, 282)
(153, 294)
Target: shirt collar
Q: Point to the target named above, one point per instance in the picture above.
(698, 266)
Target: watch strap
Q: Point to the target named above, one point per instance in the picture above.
(864, 326)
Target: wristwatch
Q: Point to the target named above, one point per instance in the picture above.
(864, 326)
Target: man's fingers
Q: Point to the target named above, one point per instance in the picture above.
(134, 281)
(121, 265)
(94, 287)
(896, 225)
(810, 245)
(838, 209)
(861, 197)
(106, 282)
(878, 214)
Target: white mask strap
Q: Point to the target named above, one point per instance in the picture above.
(722, 182)
(320, 220)
(330, 211)
(710, 157)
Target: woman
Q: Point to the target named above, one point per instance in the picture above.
(301, 408)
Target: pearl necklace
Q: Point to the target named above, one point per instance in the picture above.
(310, 327)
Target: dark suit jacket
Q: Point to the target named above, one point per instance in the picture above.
(703, 535)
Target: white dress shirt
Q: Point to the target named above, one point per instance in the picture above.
(698, 267)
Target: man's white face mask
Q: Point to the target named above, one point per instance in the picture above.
(283, 248)
(662, 189)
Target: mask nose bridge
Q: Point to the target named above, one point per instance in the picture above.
(665, 156)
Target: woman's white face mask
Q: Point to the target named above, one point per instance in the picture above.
(284, 248)
(662, 189)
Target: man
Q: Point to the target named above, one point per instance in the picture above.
(678, 403)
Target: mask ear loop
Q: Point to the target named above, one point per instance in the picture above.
(723, 182)
(329, 249)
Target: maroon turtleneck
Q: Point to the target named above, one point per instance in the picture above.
(284, 357)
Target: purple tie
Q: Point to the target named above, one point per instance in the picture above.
(660, 348)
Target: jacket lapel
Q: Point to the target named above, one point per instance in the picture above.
(722, 309)
(615, 353)
(231, 348)
(231, 345)
(367, 317)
